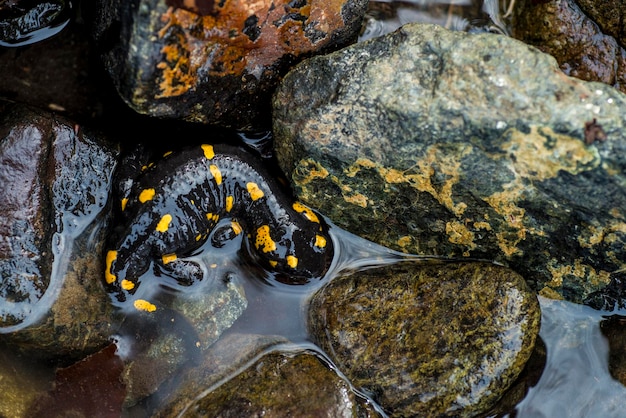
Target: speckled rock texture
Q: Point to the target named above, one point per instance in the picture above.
(437, 142)
(56, 182)
(215, 62)
(428, 340)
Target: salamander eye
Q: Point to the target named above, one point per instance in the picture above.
(222, 234)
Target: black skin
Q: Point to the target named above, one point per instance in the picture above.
(186, 188)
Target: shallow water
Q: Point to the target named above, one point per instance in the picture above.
(576, 381)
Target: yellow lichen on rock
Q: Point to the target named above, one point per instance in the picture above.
(535, 156)
(459, 234)
(309, 170)
(579, 272)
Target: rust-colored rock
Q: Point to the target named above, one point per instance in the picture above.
(216, 62)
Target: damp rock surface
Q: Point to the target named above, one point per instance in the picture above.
(429, 141)
(56, 181)
(215, 62)
(428, 340)
(280, 385)
(586, 37)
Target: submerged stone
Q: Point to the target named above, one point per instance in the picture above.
(56, 181)
(429, 141)
(282, 385)
(215, 62)
(175, 338)
(428, 339)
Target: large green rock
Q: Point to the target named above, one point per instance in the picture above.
(437, 142)
(428, 340)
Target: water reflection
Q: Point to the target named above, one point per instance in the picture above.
(576, 381)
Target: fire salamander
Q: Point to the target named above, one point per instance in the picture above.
(171, 207)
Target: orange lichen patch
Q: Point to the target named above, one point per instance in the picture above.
(596, 234)
(539, 155)
(309, 170)
(308, 213)
(110, 258)
(421, 175)
(240, 36)
(405, 241)
(459, 234)
(263, 240)
(548, 292)
(356, 199)
(576, 272)
(542, 153)
(255, 192)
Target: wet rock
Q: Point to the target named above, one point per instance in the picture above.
(179, 336)
(586, 37)
(23, 381)
(614, 329)
(225, 358)
(460, 332)
(281, 385)
(23, 22)
(436, 142)
(219, 62)
(56, 181)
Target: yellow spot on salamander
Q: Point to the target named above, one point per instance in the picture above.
(167, 153)
(124, 203)
(111, 257)
(168, 258)
(273, 263)
(144, 305)
(212, 217)
(292, 261)
(255, 192)
(264, 240)
(237, 229)
(198, 237)
(164, 223)
(229, 203)
(208, 151)
(320, 241)
(308, 213)
(146, 194)
(217, 174)
(127, 285)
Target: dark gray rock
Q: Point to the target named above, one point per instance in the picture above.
(217, 64)
(57, 180)
(437, 142)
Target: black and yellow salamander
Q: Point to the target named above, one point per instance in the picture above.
(169, 209)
